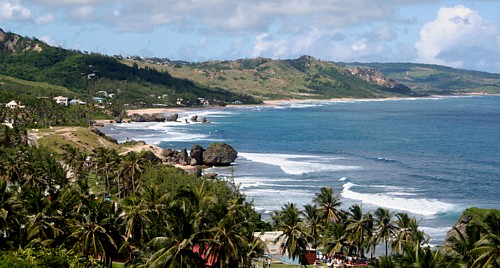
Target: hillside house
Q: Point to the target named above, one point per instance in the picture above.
(61, 100)
(13, 105)
(76, 101)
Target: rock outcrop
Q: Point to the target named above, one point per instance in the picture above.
(99, 132)
(196, 155)
(219, 154)
(374, 76)
(172, 117)
(158, 117)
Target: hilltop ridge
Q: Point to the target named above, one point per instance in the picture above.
(31, 68)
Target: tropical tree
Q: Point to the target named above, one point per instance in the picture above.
(328, 204)
(228, 240)
(313, 224)
(357, 228)
(131, 166)
(289, 221)
(11, 213)
(385, 229)
(104, 161)
(462, 243)
(487, 249)
(407, 232)
(95, 234)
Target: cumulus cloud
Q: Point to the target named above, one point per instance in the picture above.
(45, 19)
(224, 16)
(457, 37)
(13, 10)
(49, 41)
(83, 13)
(266, 46)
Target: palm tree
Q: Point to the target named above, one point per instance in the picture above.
(290, 223)
(314, 227)
(487, 249)
(463, 243)
(385, 229)
(426, 257)
(334, 240)
(228, 240)
(11, 210)
(407, 232)
(328, 203)
(130, 168)
(135, 219)
(175, 249)
(95, 234)
(357, 228)
(105, 160)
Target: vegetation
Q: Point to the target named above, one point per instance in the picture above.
(300, 78)
(436, 79)
(74, 208)
(29, 63)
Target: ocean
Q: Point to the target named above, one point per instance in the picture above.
(431, 157)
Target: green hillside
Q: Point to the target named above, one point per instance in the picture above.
(85, 74)
(436, 79)
(301, 78)
(30, 68)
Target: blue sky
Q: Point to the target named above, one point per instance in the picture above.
(462, 34)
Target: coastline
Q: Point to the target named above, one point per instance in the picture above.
(151, 111)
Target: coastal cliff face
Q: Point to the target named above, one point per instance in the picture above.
(12, 43)
(374, 76)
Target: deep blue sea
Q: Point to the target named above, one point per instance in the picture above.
(431, 157)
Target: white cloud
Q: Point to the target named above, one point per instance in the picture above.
(457, 37)
(83, 13)
(266, 46)
(49, 41)
(45, 19)
(13, 10)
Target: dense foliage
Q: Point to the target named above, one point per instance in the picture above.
(89, 209)
(78, 209)
(85, 74)
(436, 79)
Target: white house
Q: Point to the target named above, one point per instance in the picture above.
(13, 105)
(61, 100)
(76, 101)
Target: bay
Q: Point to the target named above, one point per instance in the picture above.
(431, 157)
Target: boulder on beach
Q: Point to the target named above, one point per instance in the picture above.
(219, 154)
(184, 157)
(151, 157)
(196, 155)
(157, 117)
(172, 117)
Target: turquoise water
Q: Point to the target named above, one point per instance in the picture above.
(431, 157)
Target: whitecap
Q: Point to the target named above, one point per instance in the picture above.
(424, 206)
(297, 164)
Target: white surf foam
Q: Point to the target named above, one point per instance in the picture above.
(297, 164)
(426, 207)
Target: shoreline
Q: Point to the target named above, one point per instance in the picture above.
(151, 111)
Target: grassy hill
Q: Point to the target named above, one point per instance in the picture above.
(31, 68)
(85, 74)
(301, 78)
(436, 79)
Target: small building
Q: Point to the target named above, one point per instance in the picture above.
(76, 101)
(61, 100)
(99, 99)
(13, 105)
